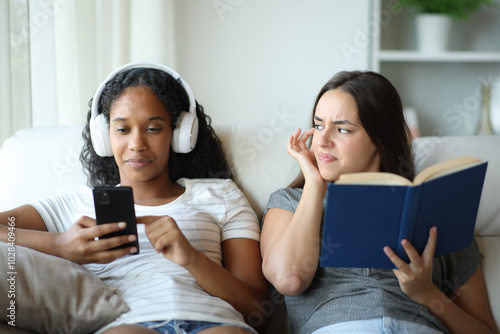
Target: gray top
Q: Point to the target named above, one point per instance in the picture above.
(345, 294)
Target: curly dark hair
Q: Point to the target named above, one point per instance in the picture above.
(207, 160)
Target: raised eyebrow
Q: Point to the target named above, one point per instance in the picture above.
(343, 122)
(339, 122)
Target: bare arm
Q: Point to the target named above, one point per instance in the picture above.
(27, 227)
(290, 244)
(464, 311)
(290, 241)
(239, 282)
(76, 244)
(26, 217)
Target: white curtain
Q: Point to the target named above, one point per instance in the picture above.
(54, 53)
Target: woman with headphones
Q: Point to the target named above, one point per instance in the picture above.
(198, 269)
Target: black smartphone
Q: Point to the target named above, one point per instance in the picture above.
(116, 204)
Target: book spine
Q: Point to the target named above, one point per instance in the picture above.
(408, 219)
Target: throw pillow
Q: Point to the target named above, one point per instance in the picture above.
(48, 294)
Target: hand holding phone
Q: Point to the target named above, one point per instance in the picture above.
(116, 204)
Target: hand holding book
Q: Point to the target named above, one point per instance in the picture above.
(367, 211)
(415, 278)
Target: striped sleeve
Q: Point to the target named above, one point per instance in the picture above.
(240, 220)
(59, 212)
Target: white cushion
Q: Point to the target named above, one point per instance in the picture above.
(38, 162)
(42, 161)
(490, 247)
(48, 156)
(261, 162)
(431, 150)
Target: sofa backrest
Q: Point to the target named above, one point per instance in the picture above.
(41, 161)
(431, 150)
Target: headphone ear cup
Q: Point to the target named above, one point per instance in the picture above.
(183, 137)
(186, 133)
(99, 133)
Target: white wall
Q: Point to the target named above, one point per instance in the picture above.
(264, 61)
(250, 61)
(447, 94)
(54, 54)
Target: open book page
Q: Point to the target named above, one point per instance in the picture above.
(373, 178)
(445, 168)
(431, 172)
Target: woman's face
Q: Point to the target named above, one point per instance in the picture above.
(340, 144)
(140, 132)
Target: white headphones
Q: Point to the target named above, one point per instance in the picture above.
(184, 136)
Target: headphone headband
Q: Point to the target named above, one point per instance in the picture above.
(185, 134)
(168, 70)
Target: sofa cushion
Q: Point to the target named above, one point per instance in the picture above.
(47, 294)
(431, 150)
(490, 246)
(39, 162)
(260, 159)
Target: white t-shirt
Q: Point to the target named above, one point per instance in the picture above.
(156, 289)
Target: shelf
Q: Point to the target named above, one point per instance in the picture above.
(444, 87)
(449, 56)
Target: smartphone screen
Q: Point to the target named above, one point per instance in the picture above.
(116, 204)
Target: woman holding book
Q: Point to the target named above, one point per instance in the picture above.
(358, 126)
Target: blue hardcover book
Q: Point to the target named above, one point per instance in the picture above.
(367, 211)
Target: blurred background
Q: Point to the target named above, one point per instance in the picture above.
(247, 61)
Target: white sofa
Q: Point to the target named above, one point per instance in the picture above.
(41, 161)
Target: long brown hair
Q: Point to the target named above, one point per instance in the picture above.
(380, 112)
